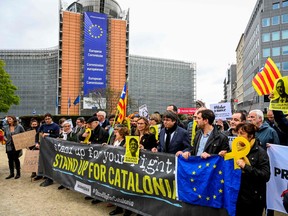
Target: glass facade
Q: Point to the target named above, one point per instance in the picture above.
(109, 7)
(34, 73)
(264, 24)
(159, 82)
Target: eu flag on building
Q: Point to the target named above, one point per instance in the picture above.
(211, 182)
(121, 106)
(77, 100)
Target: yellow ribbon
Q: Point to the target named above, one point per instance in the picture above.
(236, 153)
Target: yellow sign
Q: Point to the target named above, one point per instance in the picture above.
(132, 144)
(237, 154)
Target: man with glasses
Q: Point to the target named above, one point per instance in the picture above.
(48, 129)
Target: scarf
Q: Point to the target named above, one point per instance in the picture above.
(168, 132)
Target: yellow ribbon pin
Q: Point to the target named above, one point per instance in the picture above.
(236, 154)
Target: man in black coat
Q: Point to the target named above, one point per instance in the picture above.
(208, 139)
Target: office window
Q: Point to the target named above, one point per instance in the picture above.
(285, 66)
(284, 18)
(276, 6)
(278, 64)
(285, 4)
(275, 36)
(285, 50)
(266, 37)
(275, 51)
(266, 52)
(276, 20)
(285, 34)
(266, 22)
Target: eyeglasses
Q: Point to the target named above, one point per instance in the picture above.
(67, 126)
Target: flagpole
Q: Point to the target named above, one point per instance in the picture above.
(113, 126)
(252, 101)
(79, 104)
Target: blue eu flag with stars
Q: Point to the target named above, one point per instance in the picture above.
(209, 182)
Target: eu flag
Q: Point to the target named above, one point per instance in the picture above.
(209, 182)
(77, 100)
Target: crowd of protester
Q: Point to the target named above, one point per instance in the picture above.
(209, 137)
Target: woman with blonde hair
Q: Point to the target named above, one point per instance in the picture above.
(147, 139)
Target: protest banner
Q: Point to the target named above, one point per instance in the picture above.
(31, 160)
(24, 140)
(100, 172)
(279, 177)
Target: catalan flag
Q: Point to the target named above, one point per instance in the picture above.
(122, 104)
(263, 82)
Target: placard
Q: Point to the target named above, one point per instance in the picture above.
(24, 140)
(31, 161)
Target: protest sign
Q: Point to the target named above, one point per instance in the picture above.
(24, 140)
(221, 110)
(31, 161)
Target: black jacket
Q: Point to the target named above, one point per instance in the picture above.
(216, 142)
(148, 141)
(254, 177)
(99, 135)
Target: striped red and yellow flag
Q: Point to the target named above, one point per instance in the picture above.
(122, 104)
(263, 82)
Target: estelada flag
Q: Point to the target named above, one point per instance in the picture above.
(122, 104)
(263, 82)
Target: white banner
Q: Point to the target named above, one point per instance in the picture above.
(221, 110)
(279, 177)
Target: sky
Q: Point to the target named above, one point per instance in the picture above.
(203, 32)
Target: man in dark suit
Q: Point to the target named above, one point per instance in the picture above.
(283, 96)
(172, 137)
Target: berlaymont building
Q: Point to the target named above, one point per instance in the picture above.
(90, 65)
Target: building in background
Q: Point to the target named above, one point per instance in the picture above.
(34, 73)
(159, 82)
(85, 27)
(239, 99)
(266, 35)
(50, 80)
(230, 85)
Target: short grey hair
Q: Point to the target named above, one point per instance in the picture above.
(102, 113)
(259, 113)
